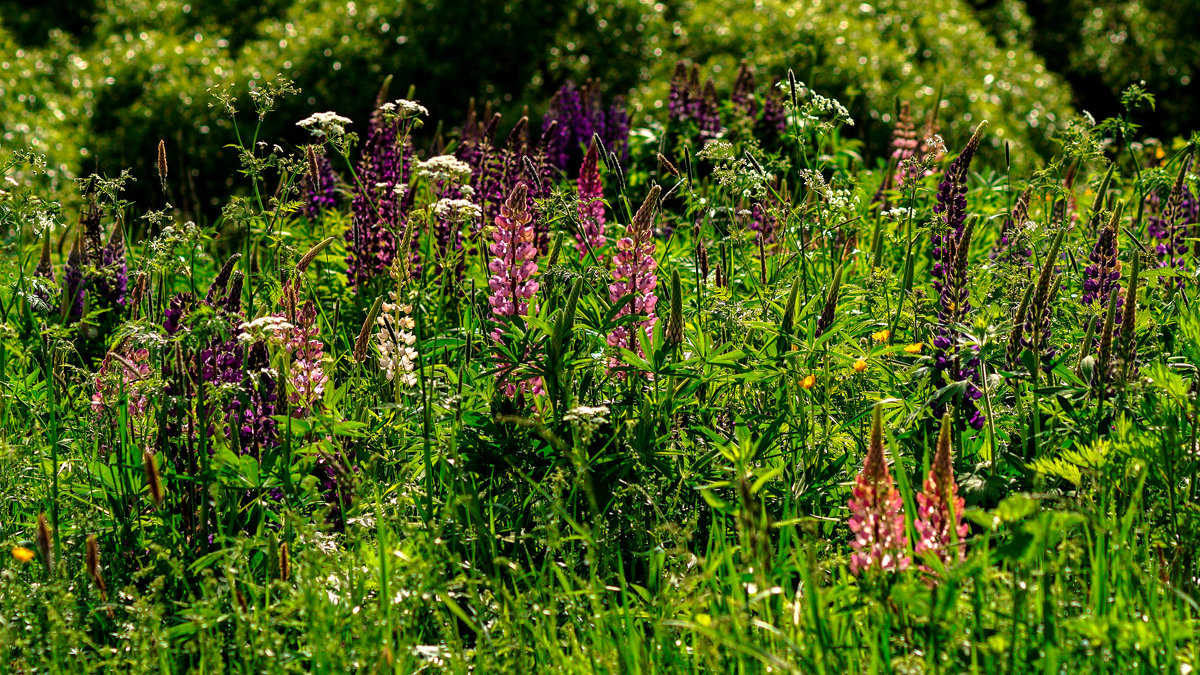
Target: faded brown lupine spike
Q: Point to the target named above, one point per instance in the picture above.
(364, 335)
(93, 563)
(383, 92)
(45, 268)
(517, 140)
(666, 164)
(943, 464)
(140, 285)
(45, 542)
(153, 478)
(313, 253)
(489, 132)
(643, 220)
(217, 288)
(285, 561)
(162, 162)
(241, 600)
(92, 232)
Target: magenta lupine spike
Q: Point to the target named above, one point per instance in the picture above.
(513, 265)
(320, 189)
(877, 513)
(634, 274)
(1171, 229)
(303, 341)
(590, 206)
(939, 523)
(371, 244)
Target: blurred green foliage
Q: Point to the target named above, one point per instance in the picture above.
(95, 85)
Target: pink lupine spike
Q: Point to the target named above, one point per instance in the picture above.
(877, 513)
(939, 523)
(634, 273)
(591, 207)
(513, 266)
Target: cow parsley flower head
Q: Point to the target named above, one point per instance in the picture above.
(461, 210)
(325, 125)
(445, 167)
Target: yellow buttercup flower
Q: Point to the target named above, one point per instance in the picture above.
(914, 348)
(808, 381)
(22, 554)
(860, 365)
(881, 336)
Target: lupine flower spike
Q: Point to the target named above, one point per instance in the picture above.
(939, 522)
(591, 205)
(877, 513)
(513, 265)
(634, 274)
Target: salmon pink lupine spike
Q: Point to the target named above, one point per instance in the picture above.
(877, 513)
(939, 522)
(513, 265)
(591, 205)
(634, 274)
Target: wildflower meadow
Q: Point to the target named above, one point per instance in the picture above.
(701, 377)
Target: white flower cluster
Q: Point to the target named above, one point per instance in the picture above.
(586, 420)
(402, 108)
(395, 341)
(270, 328)
(716, 149)
(325, 124)
(445, 167)
(813, 109)
(460, 210)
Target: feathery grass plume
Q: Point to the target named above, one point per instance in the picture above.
(364, 334)
(162, 163)
(590, 206)
(92, 559)
(831, 299)
(285, 561)
(1127, 347)
(1103, 275)
(44, 538)
(939, 522)
(312, 254)
(674, 332)
(634, 274)
(877, 512)
(153, 477)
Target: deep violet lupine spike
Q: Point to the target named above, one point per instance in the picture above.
(590, 237)
(217, 289)
(877, 513)
(112, 275)
(73, 281)
(617, 129)
(1102, 276)
(1173, 227)
(677, 98)
(634, 274)
(89, 223)
(177, 308)
(254, 418)
(774, 117)
(1008, 247)
(320, 191)
(939, 523)
(742, 96)
(708, 117)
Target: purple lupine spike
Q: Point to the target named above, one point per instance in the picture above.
(371, 242)
(1103, 276)
(695, 95)
(177, 308)
(93, 232)
(73, 281)
(112, 275)
(677, 99)
(744, 87)
(764, 222)
(487, 179)
(939, 522)
(877, 513)
(513, 265)
(1010, 246)
(774, 117)
(950, 247)
(320, 190)
(708, 117)
(307, 371)
(1177, 216)
(634, 274)
(217, 290)
(590, 206)
(254, 418)
(565, 114)
(617, 128)
(124, 369)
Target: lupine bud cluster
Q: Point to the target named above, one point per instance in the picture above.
(1103, 276)
(590, 208)
(877, 513)
(939, 522)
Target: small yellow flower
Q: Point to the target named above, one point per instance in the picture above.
(22, 554)
(881, 336)
(1159, 153)
(914, 348)
(808, 381)
(860, 365)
